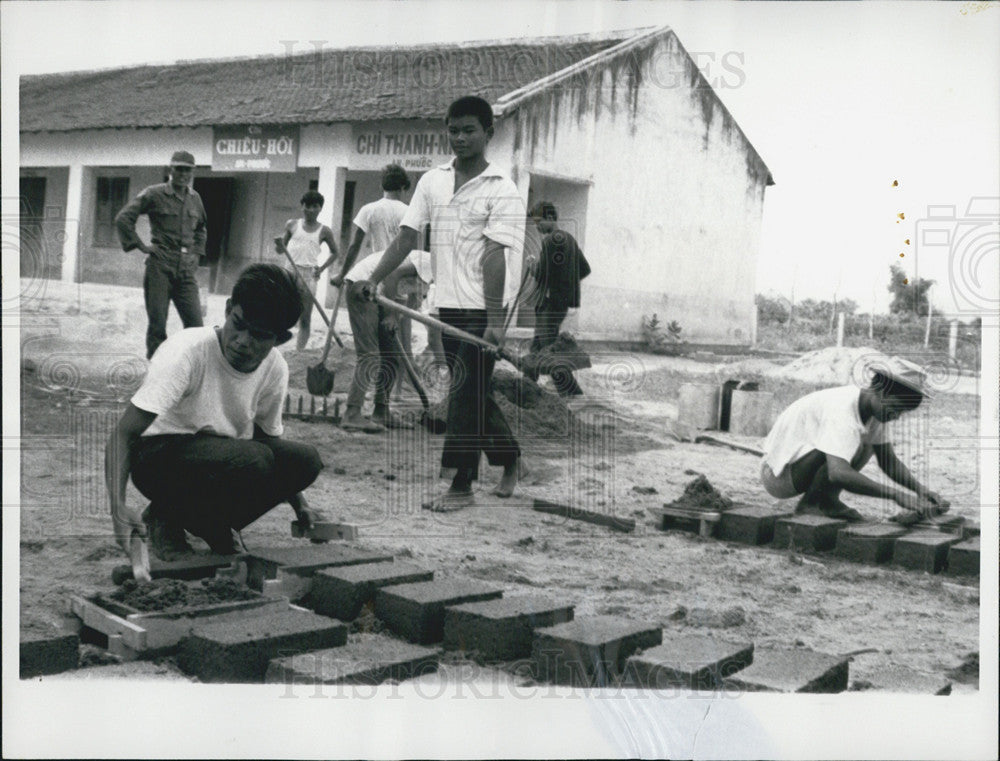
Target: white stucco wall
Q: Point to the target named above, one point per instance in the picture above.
(674, 211)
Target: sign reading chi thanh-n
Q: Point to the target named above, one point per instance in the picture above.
(255, 148)
(412, 145)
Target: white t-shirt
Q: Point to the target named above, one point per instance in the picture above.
(193, 389)
(421, 261)
(827, 420)
(380, 221)
(488, 206)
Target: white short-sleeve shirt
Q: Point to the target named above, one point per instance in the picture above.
(827, 420)
(421, 261)
(487, 207)
(380, 221)
(191, 388)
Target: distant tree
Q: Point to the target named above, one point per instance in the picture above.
(772, 311)
(847, 306)
(908, 296)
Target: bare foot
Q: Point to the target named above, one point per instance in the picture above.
(834, 508)
(357, 423)
(508, 481)
(452, 500)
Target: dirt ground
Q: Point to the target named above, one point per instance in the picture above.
(82, 349)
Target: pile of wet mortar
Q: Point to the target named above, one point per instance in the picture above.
(170, 594)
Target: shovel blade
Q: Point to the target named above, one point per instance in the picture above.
(319, 380)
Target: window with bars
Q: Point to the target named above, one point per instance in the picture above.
(112, 194)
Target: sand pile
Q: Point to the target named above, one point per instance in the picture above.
(834, 366)
(701, 495)
(531, 411)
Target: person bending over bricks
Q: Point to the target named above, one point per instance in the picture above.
(201, 438)
(820, 443)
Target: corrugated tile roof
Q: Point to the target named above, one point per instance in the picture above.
(350, 84)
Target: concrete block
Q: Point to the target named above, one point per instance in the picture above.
(923, 551)
(904, 680)
(305, 560)
(807, 533)
(367, 659)
(343, 591)
(239, 651)
(868, 542)
(416, 611)
(692, 661)
(326, 531)
(963, 558)
(750, 524)
(590, 651)
(791, 671)
(501, 630)
(44, 653)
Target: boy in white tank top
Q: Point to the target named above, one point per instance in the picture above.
(303, 240)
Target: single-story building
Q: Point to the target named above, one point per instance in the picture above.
(622, 132)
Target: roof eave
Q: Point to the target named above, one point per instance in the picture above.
(509, 102)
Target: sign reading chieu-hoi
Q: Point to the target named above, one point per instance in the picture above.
(255, 148)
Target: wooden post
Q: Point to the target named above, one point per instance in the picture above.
(927, 333)
(840, 329)
(953, 338)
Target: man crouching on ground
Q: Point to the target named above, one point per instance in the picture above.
(201, 436)
(819, 445)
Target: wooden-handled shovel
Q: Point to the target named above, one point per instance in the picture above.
(319, 380)
(279, 244)
(444, 327)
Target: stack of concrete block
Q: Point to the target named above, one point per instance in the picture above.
(293, 567)
(807, 533)
(963, 558)
(240, 650)
(688, 661)
(752, 525)
(503, 629)
(343, 591)
(365, 659)
(590, 651)
(798, 670)
(42, 654)
(416, 611)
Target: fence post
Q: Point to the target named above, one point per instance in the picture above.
(952, 338)
(840, 329)
(927, 333)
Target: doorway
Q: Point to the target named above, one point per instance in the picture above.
(570, 200)
(36, 261)
(217, 197)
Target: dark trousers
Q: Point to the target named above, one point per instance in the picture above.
(169, 280)
(475, 422)
(211, 484)
(375, 346)
(549, 317)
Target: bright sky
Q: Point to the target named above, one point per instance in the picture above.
(839, 99)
